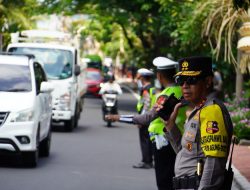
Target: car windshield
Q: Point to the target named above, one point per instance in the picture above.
(57, 63)
(94, 75)
(15, 78)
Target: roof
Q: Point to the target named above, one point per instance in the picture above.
(14, 59)
(42, 45)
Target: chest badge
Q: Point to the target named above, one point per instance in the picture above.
(189, 146)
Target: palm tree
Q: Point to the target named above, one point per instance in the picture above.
(221, 29)
(16, 15)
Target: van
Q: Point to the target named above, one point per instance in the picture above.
(26, 108)
(61, 62)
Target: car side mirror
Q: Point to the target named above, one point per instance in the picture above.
(46, 87)
(77, 70)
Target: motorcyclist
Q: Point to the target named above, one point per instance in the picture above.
(110, 85)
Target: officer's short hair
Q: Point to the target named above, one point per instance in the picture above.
(168, 74)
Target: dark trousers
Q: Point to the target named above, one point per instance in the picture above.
(146, 145)
(164, 167)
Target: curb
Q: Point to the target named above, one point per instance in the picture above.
(240, 180)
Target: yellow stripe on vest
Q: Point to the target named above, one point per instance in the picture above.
(214, 136)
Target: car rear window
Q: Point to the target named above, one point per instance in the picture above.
(94, 75)
(15, 78)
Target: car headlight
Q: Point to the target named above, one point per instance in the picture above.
(21, 116)
(64, 102)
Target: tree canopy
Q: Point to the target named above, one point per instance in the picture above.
(139, 30)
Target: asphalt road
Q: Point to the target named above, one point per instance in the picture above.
(92, 157)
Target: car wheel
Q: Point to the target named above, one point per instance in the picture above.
(109, 123)
(77, 116)
(44, 148)
(30, 159)
(69, 125)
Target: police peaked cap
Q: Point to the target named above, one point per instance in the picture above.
(145, 72)
(163, 63)
(195, 66)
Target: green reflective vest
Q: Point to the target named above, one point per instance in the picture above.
(156, 126)
(152, 95)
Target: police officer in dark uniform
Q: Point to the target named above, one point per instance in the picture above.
(204, 146)
(144, 104)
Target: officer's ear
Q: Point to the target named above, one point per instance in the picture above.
(159, 77)
(209, 82)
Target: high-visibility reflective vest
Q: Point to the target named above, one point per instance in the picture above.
(156, 126)
(152, 95)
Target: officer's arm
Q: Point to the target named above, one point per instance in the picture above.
(146, 118)
(143, 119)
(125, 118)
(213, 173)
(174, 136)
(146, 104)
(214, 124)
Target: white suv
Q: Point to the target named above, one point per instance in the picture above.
(25, 108)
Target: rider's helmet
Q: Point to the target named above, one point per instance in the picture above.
(111, 77)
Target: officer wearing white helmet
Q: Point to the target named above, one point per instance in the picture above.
(147, 98)
(164, 155)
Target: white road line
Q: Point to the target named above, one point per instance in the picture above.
(131, 91)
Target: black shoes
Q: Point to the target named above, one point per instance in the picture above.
(143, 165)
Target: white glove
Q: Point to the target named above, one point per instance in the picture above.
(160, 141)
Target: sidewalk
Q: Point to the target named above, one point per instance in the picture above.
(241, 166)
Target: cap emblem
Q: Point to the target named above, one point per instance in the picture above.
(184, 66)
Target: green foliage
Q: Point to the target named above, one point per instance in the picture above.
(153, 28)
(94, 58)
(16, 15)
(95, 61)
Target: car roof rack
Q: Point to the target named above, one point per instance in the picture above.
(41, 36)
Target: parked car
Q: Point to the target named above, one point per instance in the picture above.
(26, 108)
(94, 80)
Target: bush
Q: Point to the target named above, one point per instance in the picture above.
(240, 115)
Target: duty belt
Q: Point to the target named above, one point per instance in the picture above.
(187, 182)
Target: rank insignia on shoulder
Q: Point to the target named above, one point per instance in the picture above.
(196, 117)
(189, 146)
(212, 127)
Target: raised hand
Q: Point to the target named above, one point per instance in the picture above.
(171, 121)
(112, 117)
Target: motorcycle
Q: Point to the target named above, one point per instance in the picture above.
(109, 105)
